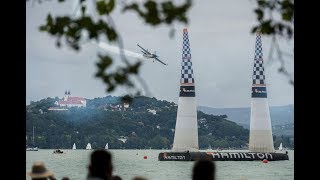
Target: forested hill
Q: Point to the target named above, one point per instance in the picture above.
(280, 115)
(146, 123)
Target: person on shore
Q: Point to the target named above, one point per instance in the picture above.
(139, 178)
(40, 172)
(204, 170)
(116, 177)
(100, 167)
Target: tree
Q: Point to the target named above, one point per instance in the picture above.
(268, 23)
(72, 29)
(154, 13)
(60, 129)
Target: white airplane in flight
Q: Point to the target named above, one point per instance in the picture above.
(147, 54)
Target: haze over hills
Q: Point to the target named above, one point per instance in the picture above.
(145, 123)
(282, 117)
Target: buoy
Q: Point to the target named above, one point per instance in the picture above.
(265, 161)
(145, 157)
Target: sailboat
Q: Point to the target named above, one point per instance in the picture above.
(74, 146)
(88, 147)
(33, 147)
(280, 147)
(107, 146)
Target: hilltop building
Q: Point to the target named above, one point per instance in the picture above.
(68, 101)
(71, 101)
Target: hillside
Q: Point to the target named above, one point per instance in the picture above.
(147, 123)
(282, 117)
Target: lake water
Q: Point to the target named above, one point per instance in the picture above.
(127, 164)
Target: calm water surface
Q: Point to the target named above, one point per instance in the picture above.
(127, 164)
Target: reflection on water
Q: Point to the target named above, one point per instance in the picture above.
(130, 163)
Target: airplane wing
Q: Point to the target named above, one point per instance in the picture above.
(160, 61)
(145, 51)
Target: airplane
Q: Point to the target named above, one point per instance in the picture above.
(147, 54)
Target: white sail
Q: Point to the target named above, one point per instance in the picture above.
(88, 146)
(33, 148)
(107, 146)
(74, 146)
(280, 147)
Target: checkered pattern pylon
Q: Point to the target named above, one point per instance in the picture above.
(258, 69)
(186, 71)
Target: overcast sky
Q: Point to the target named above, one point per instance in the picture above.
(222, 49)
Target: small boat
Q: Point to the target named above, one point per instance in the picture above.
(107, 146)
(57, 151)
(74, 146)
(33, 147)
(88, 147)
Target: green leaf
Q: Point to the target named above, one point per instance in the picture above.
(120, 78)
(259, 13)
(266, 27)
(105, 8)
(101, 7)
(110, 88)
(83, 10)
(105, 62)
(135, 68)
(261, 3)
(254, 29)
(43, 28)
(152, 15)
(134, 7)
(287, 16)
(49, 19)
(111, 34)
(110, 6)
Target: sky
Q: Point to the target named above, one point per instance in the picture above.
(221, 44)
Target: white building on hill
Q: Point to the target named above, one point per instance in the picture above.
(69, 101)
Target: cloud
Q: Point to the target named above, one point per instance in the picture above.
(222, 51)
